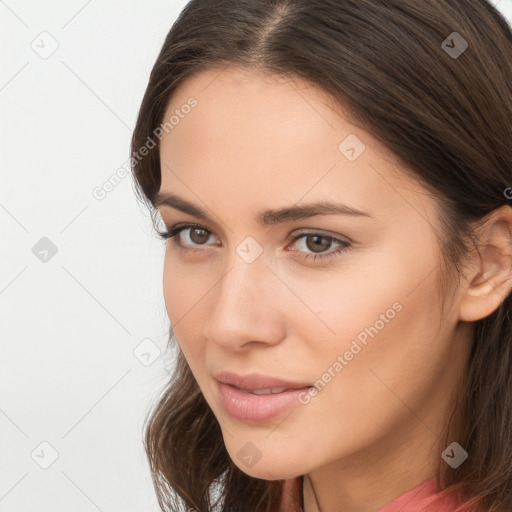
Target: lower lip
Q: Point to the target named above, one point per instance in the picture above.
(257, 408)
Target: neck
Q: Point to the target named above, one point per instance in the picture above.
(356, 486)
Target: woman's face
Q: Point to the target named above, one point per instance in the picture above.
(345, 305)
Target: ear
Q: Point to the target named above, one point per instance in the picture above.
(490, 279)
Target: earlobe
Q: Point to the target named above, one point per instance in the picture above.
(491, 282)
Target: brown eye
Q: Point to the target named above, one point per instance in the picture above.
(197, 235)
(314, 246)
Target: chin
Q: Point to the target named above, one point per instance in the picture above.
(264, 463)
(268, 471)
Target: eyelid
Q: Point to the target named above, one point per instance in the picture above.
(321, 232)
(183, 226)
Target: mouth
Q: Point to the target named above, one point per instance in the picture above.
(254, 382)
(258, 405)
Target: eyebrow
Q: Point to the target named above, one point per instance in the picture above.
(267, 217)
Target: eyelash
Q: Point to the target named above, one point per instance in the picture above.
(176, 230)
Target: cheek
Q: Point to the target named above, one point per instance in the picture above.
(393, 354)
(373, 293)
(375, 320)
(183, 287)
(171, 284)
(182, 296)
(375, 391)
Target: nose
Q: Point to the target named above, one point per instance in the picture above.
(246, 307)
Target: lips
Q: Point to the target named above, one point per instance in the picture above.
(256, 408)
(257, 398)
(254, 382)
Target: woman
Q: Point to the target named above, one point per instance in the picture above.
(335, 179)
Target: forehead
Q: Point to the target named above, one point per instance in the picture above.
(283, 140)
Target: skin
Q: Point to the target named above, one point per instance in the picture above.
(256, 143)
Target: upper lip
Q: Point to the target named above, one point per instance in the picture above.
(257, 381)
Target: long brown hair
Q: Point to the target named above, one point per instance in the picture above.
(447, 117)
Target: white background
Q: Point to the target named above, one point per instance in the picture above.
(70, 324)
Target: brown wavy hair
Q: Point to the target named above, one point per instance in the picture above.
(447, 119)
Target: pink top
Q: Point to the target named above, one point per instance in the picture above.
(425, 497)
(422, 498)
